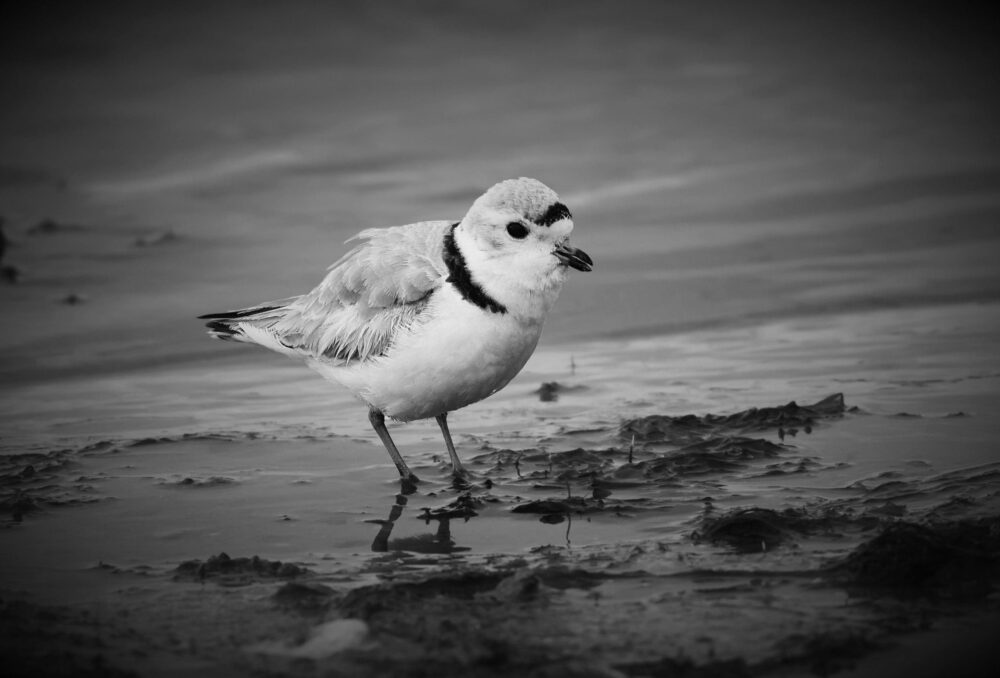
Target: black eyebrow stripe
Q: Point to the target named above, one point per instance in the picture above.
(554, 213)
(460, 276)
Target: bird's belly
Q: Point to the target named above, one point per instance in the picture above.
(453, 360)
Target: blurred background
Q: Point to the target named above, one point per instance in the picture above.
(726, 162)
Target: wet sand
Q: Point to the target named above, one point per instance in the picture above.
(783, 205)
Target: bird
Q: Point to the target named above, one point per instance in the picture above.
(417, 321)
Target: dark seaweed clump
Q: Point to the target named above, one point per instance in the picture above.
(687, 429)
(960, 557)
(34, 482)
(663, 451)
(237, 571)
(755, 530)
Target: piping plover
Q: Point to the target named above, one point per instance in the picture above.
(420, 320)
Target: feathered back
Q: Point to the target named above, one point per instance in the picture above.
(368, 293)
(396, 265)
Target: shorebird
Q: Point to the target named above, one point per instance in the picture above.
(420, 320)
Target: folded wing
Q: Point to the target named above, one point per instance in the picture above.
(373, 291)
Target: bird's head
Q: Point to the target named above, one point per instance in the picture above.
(515, 239)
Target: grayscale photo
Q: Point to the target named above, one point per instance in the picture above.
(477, 339)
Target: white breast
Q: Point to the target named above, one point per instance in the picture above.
(456, 354)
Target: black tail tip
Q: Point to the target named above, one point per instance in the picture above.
(220, 329)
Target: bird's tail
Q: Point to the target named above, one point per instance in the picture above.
(249, 325)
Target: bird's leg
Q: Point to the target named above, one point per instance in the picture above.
(457, 469)
(406, 476)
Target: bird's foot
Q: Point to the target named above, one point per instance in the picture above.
(408, 484)
(462, 479)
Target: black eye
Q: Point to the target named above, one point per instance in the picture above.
(517, 230)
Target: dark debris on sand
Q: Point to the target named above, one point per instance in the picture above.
(754, 530)
(534, 620)
(33, 482)
(958, 557)
(662, 451)
(550, 391)
(712, 455)
(649, 608)
(560, 618)
(690, 428)
(242, 571)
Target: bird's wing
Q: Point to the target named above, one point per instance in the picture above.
(374, 290)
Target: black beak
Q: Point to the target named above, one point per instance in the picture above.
(574, 258)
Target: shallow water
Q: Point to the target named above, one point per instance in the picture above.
(783, 202)
(262, 452)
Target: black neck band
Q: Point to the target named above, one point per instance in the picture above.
(461, 278)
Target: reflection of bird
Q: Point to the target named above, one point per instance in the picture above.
(423, 319)
(439, 541)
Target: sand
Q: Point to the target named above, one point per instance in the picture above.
(790, 203)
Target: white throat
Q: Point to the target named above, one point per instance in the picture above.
(526, 286)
